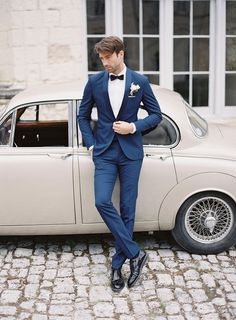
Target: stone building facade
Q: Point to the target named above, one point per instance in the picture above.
(185, 45)
(41, 41)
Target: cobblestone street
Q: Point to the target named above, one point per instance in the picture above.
(68, 277)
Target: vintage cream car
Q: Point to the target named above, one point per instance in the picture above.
(187, 184)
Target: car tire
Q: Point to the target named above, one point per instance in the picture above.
(206, 223)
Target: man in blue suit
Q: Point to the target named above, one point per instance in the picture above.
(117, 148)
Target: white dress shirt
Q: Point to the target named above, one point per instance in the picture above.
(116, 91)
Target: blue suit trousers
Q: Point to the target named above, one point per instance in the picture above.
(108, 166)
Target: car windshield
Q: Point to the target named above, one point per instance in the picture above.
(2, 109)
(198, 124)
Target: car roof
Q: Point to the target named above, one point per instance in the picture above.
(74, 90)
(47, 92)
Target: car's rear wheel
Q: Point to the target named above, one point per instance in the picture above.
(206, 223)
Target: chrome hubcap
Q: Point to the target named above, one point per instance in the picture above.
(209, 220)
(210, 223)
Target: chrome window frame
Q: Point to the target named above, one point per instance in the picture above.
(169, 146)
(31, 104)
(187, 107)
(178, 136)
(4, 117)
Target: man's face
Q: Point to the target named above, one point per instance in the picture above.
(114, 62)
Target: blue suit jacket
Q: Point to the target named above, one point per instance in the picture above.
(96, 92)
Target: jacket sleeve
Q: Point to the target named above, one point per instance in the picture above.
(152, 107)
(84, 116)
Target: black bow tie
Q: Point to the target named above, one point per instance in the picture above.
(113, 77)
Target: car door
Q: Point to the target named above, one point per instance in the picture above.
(158, 175)
(36, 157)
(156, 180)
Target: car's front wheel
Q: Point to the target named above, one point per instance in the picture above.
(206, 223)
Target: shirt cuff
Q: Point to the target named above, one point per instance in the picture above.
(134, 128)
(91, 148)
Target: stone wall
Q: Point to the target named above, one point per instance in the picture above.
(6, 54)
(42, 41)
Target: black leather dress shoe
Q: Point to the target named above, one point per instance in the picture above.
(136, 266)
(117, 281)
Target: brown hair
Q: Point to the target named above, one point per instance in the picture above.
(110, 45)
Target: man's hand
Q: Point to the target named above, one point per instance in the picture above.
(122, 127)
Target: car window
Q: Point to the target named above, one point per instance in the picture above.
(5, 131)
(164, 134)
(42, 125)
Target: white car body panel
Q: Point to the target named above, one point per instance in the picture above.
(149, 200)
(44, 193)
(218, 182)
(41, 187)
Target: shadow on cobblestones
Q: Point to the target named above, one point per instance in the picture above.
(68, 278)
(161, 237)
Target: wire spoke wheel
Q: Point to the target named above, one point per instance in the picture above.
(209, 219)
(206, 223)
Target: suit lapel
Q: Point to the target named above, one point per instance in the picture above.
(106, 95)
(127, 89)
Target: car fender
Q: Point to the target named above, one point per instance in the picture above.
(171, 204)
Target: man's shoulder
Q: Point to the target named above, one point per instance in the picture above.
(97, 76)
(138, 76)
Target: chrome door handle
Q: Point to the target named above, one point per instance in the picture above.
(162, 157)
(59, 156)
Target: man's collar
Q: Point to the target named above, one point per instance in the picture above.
(122, 72)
